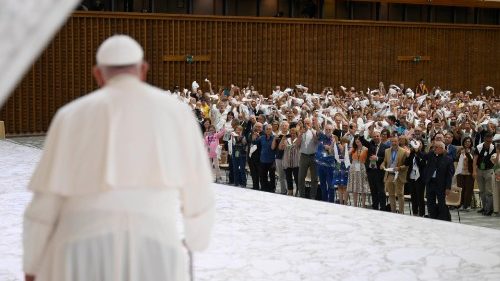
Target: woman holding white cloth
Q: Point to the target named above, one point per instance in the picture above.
(465, 180)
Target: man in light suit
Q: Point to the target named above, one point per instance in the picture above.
(395, 175)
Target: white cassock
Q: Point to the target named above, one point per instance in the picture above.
(117, 165)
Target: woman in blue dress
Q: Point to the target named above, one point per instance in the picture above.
(325, 163)
(341, 168)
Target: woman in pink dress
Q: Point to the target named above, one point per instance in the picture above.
(212, 142)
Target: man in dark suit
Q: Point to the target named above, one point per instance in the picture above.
(437, 178)
(376, 150)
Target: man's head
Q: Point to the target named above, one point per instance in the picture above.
(284, 127)
(448, 138)
(439, 137)
(329, 130)
(417, 133)
(439, 147)
(257, 127)
(117, 55)
(376, 137)
(394, 142)
(269, 130)
(307, 123)
(488, 138)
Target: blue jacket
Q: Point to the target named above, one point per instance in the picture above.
(323, 157)
(266, 153)
(452, 152)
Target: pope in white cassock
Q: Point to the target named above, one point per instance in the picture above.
(117, 165)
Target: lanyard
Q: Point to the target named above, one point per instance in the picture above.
(393, 156)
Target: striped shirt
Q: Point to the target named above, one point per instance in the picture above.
(291, 155)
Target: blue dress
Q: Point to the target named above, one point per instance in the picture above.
(325, 165)
(340, 172)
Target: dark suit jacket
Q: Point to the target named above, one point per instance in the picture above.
(372, 148)
(443, 165)
(419, 156)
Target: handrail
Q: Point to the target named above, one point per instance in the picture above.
(184, 17)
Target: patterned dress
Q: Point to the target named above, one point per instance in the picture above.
(358, 180)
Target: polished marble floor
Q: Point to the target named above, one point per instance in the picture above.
(263, 236)
(469, 217)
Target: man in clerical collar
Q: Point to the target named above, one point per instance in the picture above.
(438, 175)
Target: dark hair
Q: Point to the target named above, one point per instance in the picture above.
(230, 113)
(467, 138)
(354, 145)
(392, 118)
(385, 131)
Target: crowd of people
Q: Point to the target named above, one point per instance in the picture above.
(346, 141)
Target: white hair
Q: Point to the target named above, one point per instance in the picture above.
(439, 144)
(109, 72)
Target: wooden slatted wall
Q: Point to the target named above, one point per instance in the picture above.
(316, 53)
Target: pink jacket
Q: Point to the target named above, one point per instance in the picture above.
(212, 141)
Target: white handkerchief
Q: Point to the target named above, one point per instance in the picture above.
(253, 148)
(395, 176)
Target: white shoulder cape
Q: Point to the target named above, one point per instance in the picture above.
(125, 135)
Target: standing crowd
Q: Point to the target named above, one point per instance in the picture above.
(378, 142)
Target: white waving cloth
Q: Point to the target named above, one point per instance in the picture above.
(347, 161)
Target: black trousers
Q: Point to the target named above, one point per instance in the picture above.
(267, 177)
(466, 182)
(254, 173)
(417, 190)
(437, 211)
(230, 167)
(292, 174)
(377, 188)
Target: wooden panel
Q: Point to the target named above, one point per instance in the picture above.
(458, 3)
(271, 51)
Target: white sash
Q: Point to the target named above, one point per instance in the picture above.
(347, 161)
(415, 173)
(336, 152)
